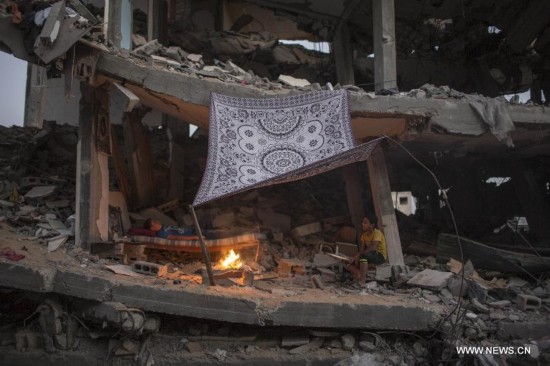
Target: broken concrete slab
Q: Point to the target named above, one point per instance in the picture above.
(523, 330)
(305, 230)
(430, 279)
(292, 81)
(122, 269)
(354, 312)
(40, 192)
(56, 242)
(148, 48)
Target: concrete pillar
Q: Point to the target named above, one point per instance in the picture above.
(178, 133)
(139, 158)
(385, 75)
(121, 101)
(92, 173)
(35, 96)
(157, 13)
(343, 55)
(118, 27)
(383, 205)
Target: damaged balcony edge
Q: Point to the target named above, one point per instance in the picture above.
(219, 307)
(455, 116)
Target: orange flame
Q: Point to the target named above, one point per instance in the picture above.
(232, 260)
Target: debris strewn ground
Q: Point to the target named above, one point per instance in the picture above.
(481, 307)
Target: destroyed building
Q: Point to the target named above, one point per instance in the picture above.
(114, 93)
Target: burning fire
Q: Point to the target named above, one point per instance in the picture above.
(232, 260)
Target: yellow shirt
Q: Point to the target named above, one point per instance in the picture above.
(376, 235)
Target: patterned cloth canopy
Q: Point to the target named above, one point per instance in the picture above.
(260, 142)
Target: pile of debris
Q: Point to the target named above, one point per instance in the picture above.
(37, 182)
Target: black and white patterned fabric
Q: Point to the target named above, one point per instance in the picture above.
(259, 142)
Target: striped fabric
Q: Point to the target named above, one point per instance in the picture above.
(213, 245)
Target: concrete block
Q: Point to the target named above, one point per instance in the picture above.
(135, 252)
(285, 267)
(52, 24)
(430, 279)
(305, 230)
(149, 268)
(500, 304)
(383, 272)
(527, 302)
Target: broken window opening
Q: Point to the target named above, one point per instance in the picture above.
(323, 47)
(405, 202)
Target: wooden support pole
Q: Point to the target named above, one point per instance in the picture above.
(205, 252)
(383, 205)
(385, 74)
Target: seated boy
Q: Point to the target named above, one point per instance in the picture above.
(373, 250)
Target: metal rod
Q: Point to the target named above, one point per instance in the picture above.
(205, 253)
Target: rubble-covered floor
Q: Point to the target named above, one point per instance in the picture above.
(73, 274)
(427, 320)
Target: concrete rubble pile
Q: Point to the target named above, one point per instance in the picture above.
(37, 183)
(481, 307)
